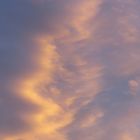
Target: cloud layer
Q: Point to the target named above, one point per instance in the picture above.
(69, 70)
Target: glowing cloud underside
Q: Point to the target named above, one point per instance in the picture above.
(69, 70)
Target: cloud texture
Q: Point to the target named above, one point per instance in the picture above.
(69, 70)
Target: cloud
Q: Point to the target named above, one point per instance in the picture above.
(69, 70)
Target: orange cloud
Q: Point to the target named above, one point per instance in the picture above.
(70, 85)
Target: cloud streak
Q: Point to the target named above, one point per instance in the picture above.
(69, 70)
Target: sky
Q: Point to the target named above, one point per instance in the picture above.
(69, 70)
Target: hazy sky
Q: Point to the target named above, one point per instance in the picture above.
(69, 69)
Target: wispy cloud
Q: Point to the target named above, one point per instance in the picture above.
(69, 70)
